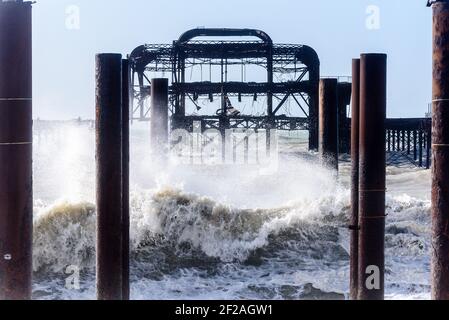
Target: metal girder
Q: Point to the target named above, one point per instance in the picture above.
(275, 60)
(247, 122)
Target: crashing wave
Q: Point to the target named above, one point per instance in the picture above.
(65, 233)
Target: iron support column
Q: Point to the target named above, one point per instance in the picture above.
(408, 142)
(125, 176)
(393, 133)
(440, 152)
(399, 140)
(415, 145)
(16, 187)
(314, 78)
(373, 89)
(354, 228)
(159, 118)
(328, 123)
(109, 176)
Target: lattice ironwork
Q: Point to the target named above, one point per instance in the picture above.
(291, 75)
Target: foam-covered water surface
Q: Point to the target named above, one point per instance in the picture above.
(219, 232)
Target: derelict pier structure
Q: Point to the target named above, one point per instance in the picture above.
(201, 65)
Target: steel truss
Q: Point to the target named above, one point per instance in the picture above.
(299, 63)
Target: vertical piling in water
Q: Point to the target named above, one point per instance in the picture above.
(403, 140)
(125, 176)
(388, 140)
(415, 145)
(314, 77)
(16, 187)
(343, 146)
(373, 70)
(344, 99)
(109, 176)
(159, 119)
(440, 152)
(393, 132)
(408, 141)
(398, 141)
(420, 147)
(354, 219)
(328, 122)
(428, 147)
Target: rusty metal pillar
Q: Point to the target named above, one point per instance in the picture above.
(271, 123)
(424, 143)
(16, 187)
(109, 176)
(440, 152)
(403, 140)
(415, 145)
(342, 127)
(428, 150)
(373, 89)
(344, 99)
(394, 139)
(313, 64)
(354, 219)
(389, 140)
(313, 124)
(408, 142)
(420, 150)
(126, 75)
(328, 123)
(159, 119)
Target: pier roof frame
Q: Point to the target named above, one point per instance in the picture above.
(224, 47)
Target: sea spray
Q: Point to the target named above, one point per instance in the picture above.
(64, 235)
(176, 234)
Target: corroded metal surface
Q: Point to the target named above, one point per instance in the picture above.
(109, 176)
(354, 218)
(373, 89)
(440, 153)
(328, 120)
(159, 118)
(218, 54)
(125, 177)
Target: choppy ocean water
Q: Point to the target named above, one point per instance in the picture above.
(219, 232)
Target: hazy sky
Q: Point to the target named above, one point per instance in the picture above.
(338, 30)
